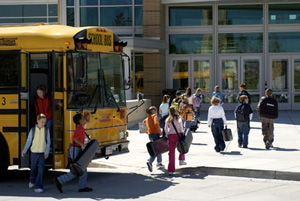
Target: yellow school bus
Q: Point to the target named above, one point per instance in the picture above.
(83, 69)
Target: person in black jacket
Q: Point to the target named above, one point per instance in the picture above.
(267, 109)
(243, 91)
(243, 114)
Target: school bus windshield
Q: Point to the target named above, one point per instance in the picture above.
(97, 77)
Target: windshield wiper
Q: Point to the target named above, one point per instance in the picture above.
(96, 105)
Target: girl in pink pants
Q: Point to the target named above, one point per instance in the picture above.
(173, 138)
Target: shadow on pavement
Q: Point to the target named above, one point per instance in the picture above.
(105, 186)
(233, 153)
(199, 144)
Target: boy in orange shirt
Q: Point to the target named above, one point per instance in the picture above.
(153, 130)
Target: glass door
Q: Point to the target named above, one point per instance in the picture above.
(251, 73)
(279, 80)
(236, 70)
(201, 76)
(180, 73)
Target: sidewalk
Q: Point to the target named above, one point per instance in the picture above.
(280, 162)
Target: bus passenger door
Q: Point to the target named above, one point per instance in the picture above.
(24, 112)
(58, 61)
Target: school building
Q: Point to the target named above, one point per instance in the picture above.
(175, 44)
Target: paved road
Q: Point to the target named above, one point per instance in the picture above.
(207, 176)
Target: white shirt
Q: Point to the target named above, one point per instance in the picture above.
(215, 112)
(191, 99)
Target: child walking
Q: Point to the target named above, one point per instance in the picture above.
(173, 137)
(243, 114)
(39, 142)
(77, 146)
(153, 130)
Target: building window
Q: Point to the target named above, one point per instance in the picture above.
(115, 2)
(284, 42)
(28, 13)
(137, 71)
(190, 16)
(116, 16)
(284, 13)
(190, 44)
(89, 16)
(240, 14)
(241, 43)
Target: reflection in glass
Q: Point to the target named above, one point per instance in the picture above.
(116, 2)
(138, 15)
(180, 75)
(139, 74)
(116, 16)
(201, 75)
(89, 16)
(284, 13)
(297, 98)
(9, 70)
(230, 75)
(52, 10)
(113, 80)
(251, 74)
(297, 75)
(241, 43)
(279, 74)
(191, 43)
(240, 14)
(190, 16)
(284, 42)
(230, 97)
(281, 98)
(88, 2)
(70, 17)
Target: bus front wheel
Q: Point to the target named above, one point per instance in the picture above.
(4, 156)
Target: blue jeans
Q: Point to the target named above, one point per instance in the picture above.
(69, 176)
(216, 129)
(152, 138)
(243, 129)
(197, 113)
(37, 169)
(186, 124)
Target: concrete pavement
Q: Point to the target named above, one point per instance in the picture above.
(280, 162)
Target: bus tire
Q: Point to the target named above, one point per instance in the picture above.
(4, 156)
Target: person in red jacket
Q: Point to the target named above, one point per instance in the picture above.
(43, 106)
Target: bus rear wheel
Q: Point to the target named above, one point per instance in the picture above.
(4, 156)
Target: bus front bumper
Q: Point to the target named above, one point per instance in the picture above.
(112, 149)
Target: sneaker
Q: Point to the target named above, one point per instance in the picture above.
(245, 146)
(149, 164)
(240, 146)
(86, 189)
(170, 173)
(182, 162)
(160, 166)
(58, 185)
(267, 145)
(38, 190)
(31, 185)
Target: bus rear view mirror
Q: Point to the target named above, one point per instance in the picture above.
(140, 96)
(82, 99)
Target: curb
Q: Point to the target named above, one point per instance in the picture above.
(248, 173)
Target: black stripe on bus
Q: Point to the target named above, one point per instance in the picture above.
(13, 111)
(13, 129)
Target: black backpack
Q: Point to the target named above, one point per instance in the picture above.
(268, 108)
(240, 113)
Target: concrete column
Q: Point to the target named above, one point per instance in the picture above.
(154, 63)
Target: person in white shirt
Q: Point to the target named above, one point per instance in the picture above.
(216, 120)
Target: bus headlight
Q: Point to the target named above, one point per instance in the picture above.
(122, 134)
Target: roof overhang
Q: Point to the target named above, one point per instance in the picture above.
(145, 45)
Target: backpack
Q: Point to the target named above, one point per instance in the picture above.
(240, 113)
(176, 102)
(268, 108)
(198, 100)
(187, 113)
